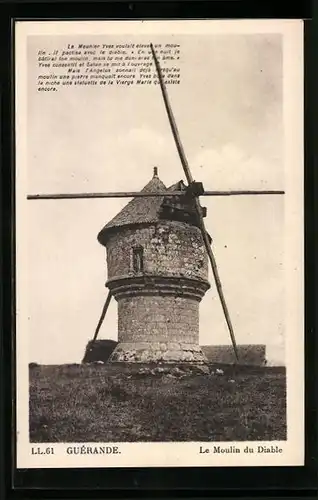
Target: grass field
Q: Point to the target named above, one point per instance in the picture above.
(105, 403)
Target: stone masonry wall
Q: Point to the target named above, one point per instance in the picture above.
(170, 249)
(158, 305)
(159, 319)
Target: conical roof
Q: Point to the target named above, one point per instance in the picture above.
(140, 210)
(147, 210)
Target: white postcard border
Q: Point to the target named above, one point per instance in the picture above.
(176, 454)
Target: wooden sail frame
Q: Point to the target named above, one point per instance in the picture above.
(136, 194)
(187, 172)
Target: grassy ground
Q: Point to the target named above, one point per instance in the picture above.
(102, 403)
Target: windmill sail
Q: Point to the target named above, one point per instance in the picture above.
(189, 178)
(102, 317)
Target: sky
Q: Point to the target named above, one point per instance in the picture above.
(228, 108)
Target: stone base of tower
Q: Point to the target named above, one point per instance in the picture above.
(157, 352)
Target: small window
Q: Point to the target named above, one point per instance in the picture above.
(138, 259)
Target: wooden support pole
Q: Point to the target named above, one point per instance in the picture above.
(132, 194)
(102, 317)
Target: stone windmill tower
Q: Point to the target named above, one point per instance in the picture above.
(158, 252)
(158, 274)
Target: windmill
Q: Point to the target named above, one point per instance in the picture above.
(189, 197)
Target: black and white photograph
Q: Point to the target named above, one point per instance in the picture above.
(159, 243)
